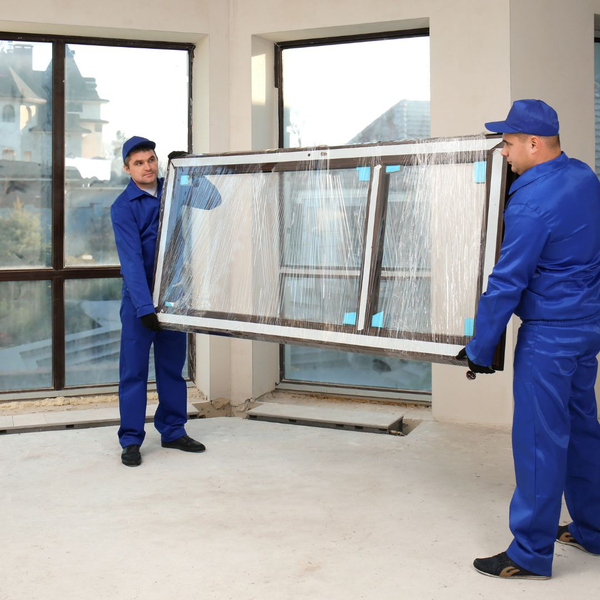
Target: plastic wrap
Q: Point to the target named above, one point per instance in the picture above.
(377, 248)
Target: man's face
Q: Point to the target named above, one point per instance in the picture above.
(517, 150)
(143, 168)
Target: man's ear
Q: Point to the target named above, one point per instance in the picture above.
(534, 143)
(126, 168)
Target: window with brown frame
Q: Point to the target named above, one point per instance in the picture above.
(68, 104)
(380, 248)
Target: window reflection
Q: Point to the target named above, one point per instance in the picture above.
(25, 157)
(104, 108)
(25, 335)
(92, 331)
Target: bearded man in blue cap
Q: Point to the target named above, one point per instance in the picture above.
(135, 222)
(548, 274)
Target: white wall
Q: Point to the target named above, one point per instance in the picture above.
(484, 54)
(552, 57)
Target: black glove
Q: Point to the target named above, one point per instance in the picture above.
(177, 154)
(472, 366)
(150, 321)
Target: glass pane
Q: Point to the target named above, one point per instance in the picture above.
(107, 102)
(404, 304)
(239, 271)
(93, 331)
(356, 93)
(316, 365)
(325, 102)
(407, 244)
(26, 154)
(320, 299)
(200, 238)
(429, 278)
(324, 228)
(25, 335)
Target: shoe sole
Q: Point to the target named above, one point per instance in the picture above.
(132, 463)
(576, 545)
(183, 449)
(533, 577)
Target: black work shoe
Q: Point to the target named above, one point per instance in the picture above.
(504, 567)
(131, 456)
(185, 443)
(564, 537)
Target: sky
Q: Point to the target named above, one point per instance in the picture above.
(356, 82)
(135, 81)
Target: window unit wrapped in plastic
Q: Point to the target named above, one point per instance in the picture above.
(381, 248)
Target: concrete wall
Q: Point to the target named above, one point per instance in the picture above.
(484, 54)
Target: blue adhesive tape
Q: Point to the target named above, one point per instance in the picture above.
(184, 180)
(377, 320)
(479, 171)
(350, 318)
(469, 327)
(392, 168)
(364, 173)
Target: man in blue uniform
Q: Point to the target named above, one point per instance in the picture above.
(548, 274)
(135, 222)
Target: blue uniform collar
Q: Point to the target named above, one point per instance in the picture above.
(134, 192)
(560, 162)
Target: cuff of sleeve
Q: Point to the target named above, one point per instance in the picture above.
(479, 356)
(146, 309)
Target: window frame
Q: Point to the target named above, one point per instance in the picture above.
(342, 336)
(279, 84)
(57, 273)
(327, 41)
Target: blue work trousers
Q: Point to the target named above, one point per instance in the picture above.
(169, 359)
(556, 439)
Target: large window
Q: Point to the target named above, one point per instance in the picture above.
(67, 105)
(346, 247)
(355, 91)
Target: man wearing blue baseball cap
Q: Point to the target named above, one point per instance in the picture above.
(548, 274)
(135, 222)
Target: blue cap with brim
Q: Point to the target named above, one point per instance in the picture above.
(533, 117)
(135, 142)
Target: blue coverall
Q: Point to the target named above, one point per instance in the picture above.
(549, 275)
(135, 222)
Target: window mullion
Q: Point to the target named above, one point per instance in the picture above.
(370, 252)
(58, 212)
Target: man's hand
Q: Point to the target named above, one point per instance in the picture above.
(472, 366)
(150, 321)
(177, 154)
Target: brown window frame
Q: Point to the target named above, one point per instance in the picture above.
(58, 273)
(377, 157)
(280, 47)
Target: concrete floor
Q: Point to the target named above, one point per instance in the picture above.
(270, 511)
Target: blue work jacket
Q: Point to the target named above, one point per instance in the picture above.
(549, 265)
(134, 217)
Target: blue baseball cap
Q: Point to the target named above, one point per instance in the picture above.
(135, 142)
(533, 117)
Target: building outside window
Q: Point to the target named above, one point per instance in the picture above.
(74, 102)
(8, 114)
(342, 91)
